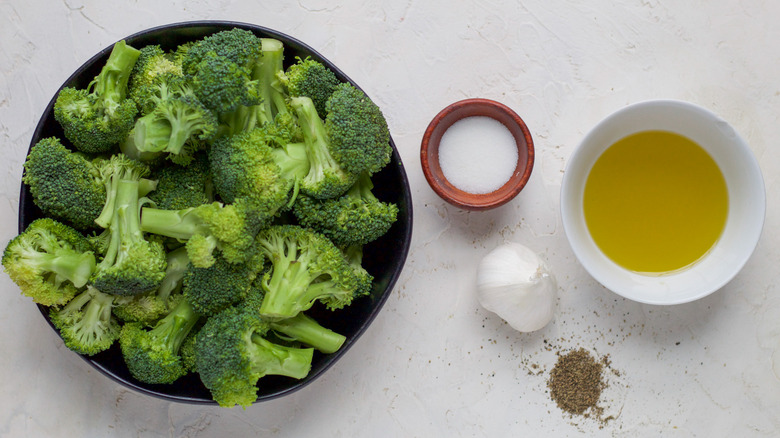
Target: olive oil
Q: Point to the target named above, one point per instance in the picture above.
(655, 202)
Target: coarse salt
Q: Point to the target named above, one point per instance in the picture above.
(478, 154)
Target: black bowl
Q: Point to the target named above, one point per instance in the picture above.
(384, 258)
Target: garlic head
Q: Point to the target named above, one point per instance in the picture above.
(514, 283)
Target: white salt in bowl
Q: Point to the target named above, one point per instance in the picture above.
(744, 184)
(472, 183)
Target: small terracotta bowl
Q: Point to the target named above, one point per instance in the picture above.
(429, 154)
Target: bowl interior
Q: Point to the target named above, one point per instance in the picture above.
(744, 183)
(429, 153)
(383, 258)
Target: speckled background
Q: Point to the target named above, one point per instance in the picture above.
(434, 363)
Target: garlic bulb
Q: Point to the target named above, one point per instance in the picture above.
(514, 283)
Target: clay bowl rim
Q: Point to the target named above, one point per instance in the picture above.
(476, 107)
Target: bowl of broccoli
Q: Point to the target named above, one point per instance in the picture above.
(210, 212)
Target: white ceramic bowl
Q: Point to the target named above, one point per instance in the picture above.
(745, 185)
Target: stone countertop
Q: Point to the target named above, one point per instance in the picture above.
(434, 363)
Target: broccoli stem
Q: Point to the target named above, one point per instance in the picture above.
(152, 133)
(95, 315)
(315, 137)
(268, 358)
(145, 186)
(73, 266)
(105, 217)
(174, 327)
(266, 71)
(305, 329)
(128, 213)
(177, 266)
(111, 84)
(362, 189)
(286, 290)
(292, 288)
(168, 127)
(184, 125)
(125, 224)
(177, 224)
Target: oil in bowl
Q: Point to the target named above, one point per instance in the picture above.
(679, 208)
(655, 202)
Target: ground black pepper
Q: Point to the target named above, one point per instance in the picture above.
(576, 382)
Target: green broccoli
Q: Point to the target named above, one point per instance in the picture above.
(64, 184)
(152, 356)
(86, 323)
(300, 328)
(210, 290)
(180, 187)
(267, 72)
(305, 267)
(326, 178)
(147, 79)
(219, 68)
(306, 330)
(272, 112)
(232, 355)
(243, 168)
(49, 261)
(205, 229)
(203, 206)
(357, 131)
(132, 263)
(177, 124)
(187, 349)
(354, 255)
(96, 119)
(311, 78)
(149, 306)
(356, 218)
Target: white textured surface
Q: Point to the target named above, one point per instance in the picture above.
(433, 363)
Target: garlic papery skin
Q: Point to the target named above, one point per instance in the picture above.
(514, 283)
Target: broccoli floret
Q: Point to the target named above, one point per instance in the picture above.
(150, 306)
(300, 328)
(49, 261)
(180, 187)
(356, 218)
(219, 68)
(272, 112)
(149, 76)
(243, 168)
(326, 178)
(313, 79)
(187, 349)
(205, 229)
(177, 124)
(132, 263)
(354, 255)
(232, 355)
(357, 130)
(86, 323)
(305, 267)
(64, 184)
(152, 356)
(210, 290)
(96, 119)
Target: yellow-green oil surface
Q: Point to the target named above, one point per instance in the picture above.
(655, 202)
